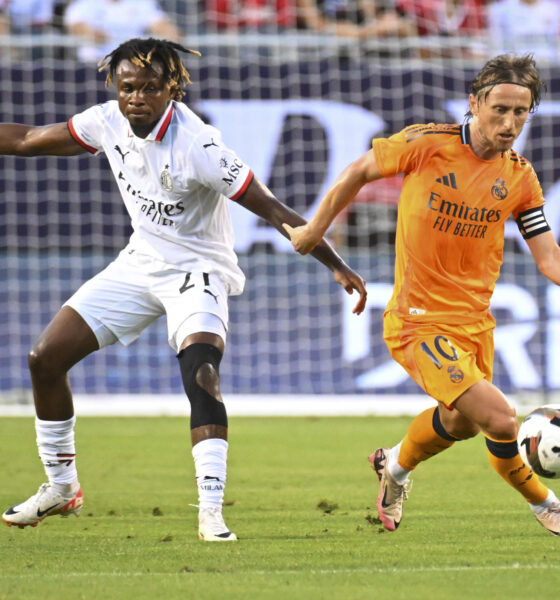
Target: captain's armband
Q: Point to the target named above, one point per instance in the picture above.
(532, 222)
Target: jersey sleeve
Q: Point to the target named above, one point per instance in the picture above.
(403, 151)
(529, 214)
(217, 166)
(87, 129)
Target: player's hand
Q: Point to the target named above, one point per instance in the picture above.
(350, 281)
(303, 240)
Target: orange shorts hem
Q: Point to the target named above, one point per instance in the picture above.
(444, 361)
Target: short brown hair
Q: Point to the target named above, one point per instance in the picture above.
(508, 68)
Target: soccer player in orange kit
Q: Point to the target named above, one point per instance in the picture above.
(461, 183)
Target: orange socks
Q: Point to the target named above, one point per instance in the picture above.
(425, 438)
(505, 458)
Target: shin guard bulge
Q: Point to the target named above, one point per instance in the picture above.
(507, 462)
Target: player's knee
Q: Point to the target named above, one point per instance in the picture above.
(200, 364)
(208, 378)
(502, 427)
(464, 431)
(42, 363)
(454, 424)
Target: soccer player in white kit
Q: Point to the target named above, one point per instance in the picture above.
(176, 177)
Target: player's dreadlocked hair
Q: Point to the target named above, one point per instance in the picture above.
(143, 53)
(507, 68)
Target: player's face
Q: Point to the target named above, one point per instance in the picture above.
(143, 95)
(498, 119)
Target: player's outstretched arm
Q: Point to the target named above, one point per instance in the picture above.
(338, 197)
(25, 140)
(261, 201)
(546, 254)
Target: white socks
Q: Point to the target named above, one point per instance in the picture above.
(55, 440)
(546, 503)
(397, 473)
(210, 458)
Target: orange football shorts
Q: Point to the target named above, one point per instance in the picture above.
(443, 360)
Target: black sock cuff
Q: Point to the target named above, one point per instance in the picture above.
(439, 428)
(206, 352)
(502, 449)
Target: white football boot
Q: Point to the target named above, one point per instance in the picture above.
(45, 503)
(211, 526)
(391, 494)
(549, 518)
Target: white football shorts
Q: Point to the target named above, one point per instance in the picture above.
(134, 290)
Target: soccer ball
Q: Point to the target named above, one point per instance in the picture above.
(539, 441)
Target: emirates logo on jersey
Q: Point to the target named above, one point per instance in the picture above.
(499, 190)
(166, 179)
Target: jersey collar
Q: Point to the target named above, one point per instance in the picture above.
(160, 128)
(466, 134)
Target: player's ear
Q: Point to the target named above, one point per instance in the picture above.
(175, 91)
(473, 105)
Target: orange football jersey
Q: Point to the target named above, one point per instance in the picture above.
(451, 215)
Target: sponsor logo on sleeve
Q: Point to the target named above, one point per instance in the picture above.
(233, 172)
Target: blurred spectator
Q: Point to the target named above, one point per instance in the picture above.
(256, 15)
(188, 15)
(449, 19)
(446, 17)
(354, 18)
(108, 23)
(521, 26)
(371, 218)
(27, 16)
(58, 14)
(4, 21)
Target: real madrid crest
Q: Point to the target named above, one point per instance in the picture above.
(499, 190)
(456, 375)
(166, 179)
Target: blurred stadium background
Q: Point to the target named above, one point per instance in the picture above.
(297, 107)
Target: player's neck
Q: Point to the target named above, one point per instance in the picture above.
(142, 131)
(480, 145)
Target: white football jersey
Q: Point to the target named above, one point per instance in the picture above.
(175, 184)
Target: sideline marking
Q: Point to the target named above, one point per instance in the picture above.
(388, 570)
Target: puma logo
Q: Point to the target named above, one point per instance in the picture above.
(215, 296)
(117, 148)
(212, 143)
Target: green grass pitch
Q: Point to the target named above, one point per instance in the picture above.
(301, 498)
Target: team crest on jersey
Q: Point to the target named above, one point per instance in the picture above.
(166, 179)
(499, 190)
(455, 374)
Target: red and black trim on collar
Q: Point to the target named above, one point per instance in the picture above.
(165, 124)
(244, 187)
(75, 135)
